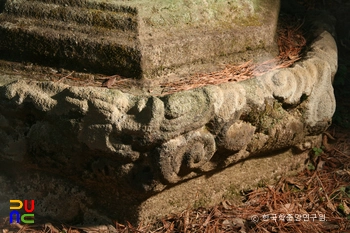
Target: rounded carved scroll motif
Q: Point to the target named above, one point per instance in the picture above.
(181, 155)
(319, 111)
(284, 84)
(236, 136)
(185, 111)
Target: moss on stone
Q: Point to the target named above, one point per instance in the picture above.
(267, 118)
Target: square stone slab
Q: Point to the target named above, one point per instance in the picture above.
(137, 38)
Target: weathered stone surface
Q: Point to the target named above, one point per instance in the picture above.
(116, 150)
(137, 38)
(103, 152)
(206, 191)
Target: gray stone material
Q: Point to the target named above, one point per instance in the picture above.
(116, 150)
(138, 38)
(88, 153)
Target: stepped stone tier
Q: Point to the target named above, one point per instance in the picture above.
(137, 38)
(92, 154)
